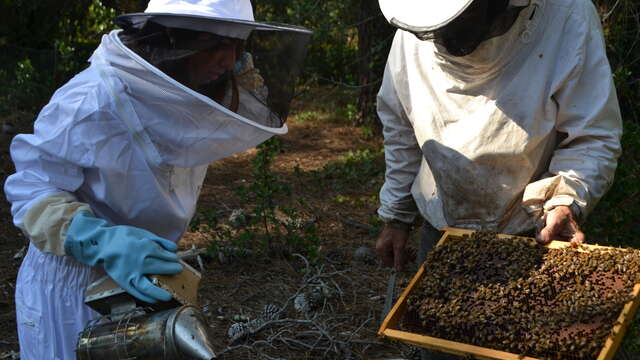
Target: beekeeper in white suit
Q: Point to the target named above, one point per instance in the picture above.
(497, 114)
(109, 180)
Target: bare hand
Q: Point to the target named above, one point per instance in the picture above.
(560, 224)
(391, 247)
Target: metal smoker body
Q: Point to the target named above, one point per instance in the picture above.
(133, 330)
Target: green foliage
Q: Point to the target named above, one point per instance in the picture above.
(37, 24)
(307, 116)
(43, 44)
(334, 55)
(334, 43)
(615, 220)
(351, 111)
(264, 188)
(21, 87)
(281, 229)
(356, 168)
(620, 25)
(631, 342)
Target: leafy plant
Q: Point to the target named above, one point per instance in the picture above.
(360, 167)
(20, 87)
(307, 116)
(615, 219)
(281, 229)
(47, 42)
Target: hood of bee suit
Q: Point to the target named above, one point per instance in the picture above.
(476, 70)
(174, 124)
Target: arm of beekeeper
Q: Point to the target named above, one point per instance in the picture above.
(53, 219)
(48, 172)
(583, 165)
(402, 155)
(70, 133)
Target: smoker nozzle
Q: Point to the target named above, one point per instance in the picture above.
(191, 335)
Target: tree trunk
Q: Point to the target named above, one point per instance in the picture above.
(373, 30)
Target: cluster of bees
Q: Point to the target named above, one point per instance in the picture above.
(513, 295)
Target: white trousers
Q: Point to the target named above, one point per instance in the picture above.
(50, 311)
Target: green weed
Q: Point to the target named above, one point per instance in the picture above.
(307, 116)
(269, 224)
(356, 168)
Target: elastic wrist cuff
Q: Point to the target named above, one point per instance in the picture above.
(559, 200)
(564, 200)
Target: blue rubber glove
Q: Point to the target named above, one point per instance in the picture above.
(125, 252)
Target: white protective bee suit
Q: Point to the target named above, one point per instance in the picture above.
(128, 143)
(527, 122)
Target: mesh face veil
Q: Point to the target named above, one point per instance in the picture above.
(480, 21)
(249, 68)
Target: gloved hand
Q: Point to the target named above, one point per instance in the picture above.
(126, 253)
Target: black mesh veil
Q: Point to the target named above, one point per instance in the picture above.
(481, 21)
(249, 68)
(277, 55)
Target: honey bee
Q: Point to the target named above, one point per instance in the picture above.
(509, 294)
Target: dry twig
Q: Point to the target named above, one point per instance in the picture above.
(320, 330)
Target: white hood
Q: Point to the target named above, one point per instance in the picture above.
(174, 124)
(493, 55)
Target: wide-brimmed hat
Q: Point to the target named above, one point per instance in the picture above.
(230, 18)
(422, 15)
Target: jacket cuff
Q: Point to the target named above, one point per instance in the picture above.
(387, 215)
(397, 224)
(46, 223)
(544, 195)
(564, 200)
(560, 200)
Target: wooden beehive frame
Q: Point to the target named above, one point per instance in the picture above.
(183, 287)
(390, 323)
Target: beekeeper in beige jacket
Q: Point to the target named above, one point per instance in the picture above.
(497, 114)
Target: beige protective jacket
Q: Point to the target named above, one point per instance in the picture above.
(527, 122)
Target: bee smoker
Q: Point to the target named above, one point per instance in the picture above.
(133, 330)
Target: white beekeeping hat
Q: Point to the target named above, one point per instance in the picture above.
(231, 18)
(222, 9)
(427, 15)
